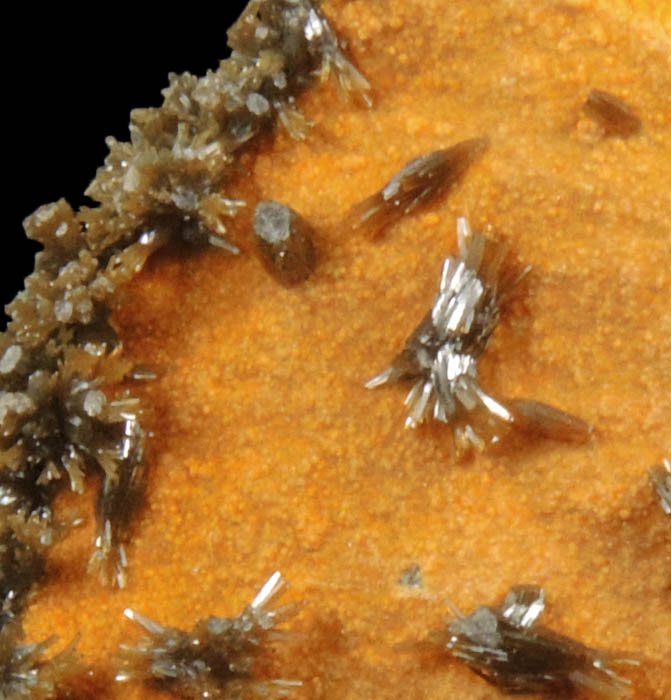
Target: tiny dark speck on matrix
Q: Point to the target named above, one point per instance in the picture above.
(73, 81)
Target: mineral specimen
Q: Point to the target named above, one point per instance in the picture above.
(504, 645)
(615, 116)
(284, 241)
(420, 181)
(442, 353)
(325, 486)
(660, 478)
(216, 658)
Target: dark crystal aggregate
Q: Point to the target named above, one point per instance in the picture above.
(504, 645)
(216, 658)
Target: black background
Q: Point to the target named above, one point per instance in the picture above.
(71, 79)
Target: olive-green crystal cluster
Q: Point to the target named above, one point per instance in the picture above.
(62, 413)
(60, 351)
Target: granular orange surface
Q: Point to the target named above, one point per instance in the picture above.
(269, 453)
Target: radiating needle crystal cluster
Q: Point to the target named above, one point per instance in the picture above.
(505, 645)
(216, 658)
(441, 355)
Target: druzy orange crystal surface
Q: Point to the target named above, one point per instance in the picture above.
(267, 451)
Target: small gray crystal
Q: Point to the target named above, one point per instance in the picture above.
(503, 645)
(481, 627)
(94, 402)
(280, 80)
(63, 310)
(272, 222)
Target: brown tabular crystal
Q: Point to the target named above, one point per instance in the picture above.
(420, 181)
(284, 241)
(613, 114)
(537, 418)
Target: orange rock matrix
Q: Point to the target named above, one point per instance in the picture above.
(268, 452)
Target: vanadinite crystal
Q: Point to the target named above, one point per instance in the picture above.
(265, 451)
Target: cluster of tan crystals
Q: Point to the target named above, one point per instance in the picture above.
(61, 356)
(297, 474)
